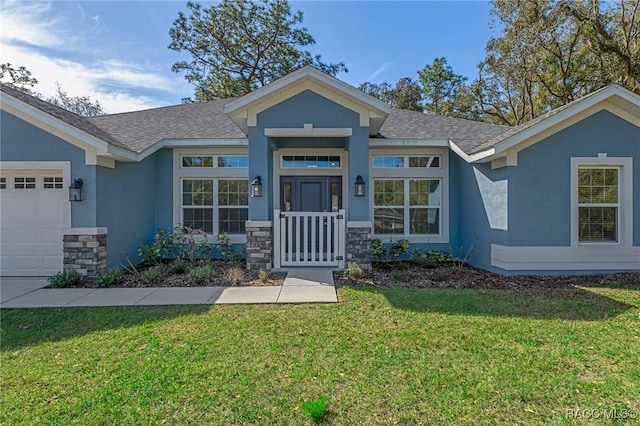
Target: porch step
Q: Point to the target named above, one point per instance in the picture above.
(303, 285)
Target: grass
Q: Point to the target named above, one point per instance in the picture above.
(381, 356)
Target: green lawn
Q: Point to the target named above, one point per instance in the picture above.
(381, 356)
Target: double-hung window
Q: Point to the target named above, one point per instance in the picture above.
(598, 204)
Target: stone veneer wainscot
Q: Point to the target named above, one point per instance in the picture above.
(85, 251)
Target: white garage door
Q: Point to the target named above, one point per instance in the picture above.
(31, 222)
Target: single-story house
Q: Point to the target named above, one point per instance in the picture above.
(307, 170)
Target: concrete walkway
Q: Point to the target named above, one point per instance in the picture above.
(304, 285)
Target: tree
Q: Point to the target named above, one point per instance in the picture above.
(19, 78)
(440, 86)
(551, 52)
(81, 105)
(406, 94)
(240, 45)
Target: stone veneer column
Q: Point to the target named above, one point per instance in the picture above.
(85, 251)
(358, 248)
(259, 244)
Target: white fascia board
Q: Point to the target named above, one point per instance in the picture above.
(40, 118)
(188, 143)
(298, 76)
(579, 106)
(408, 143)
(309, 131)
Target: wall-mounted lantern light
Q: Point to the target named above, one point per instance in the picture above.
(359, 186)
(256, 187)
(75, 190)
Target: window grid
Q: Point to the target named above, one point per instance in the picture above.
(407, 206)
(197, 161)
(24, 182)
(3, 183)
(407, 161)
(215, 205)
(598, 204)
(52, 182)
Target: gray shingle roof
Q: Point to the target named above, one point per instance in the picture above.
(140, 130)
(467, 134)
(62, 114)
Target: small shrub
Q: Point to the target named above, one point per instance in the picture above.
(353, 271)
(201, 275)
(150, 255)
(399, 249)
(152, 276)
(225, 246)
(177, 267)
(64, 279)
(263, 275)
(430, 259)
(109, 278)
(316, 408)
(378, 251)
(234, 276)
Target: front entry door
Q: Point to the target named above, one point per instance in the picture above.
(309, 207)
(311, 194)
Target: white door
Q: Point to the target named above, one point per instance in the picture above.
(31, 222)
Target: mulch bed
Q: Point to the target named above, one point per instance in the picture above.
(134, 277)
(449, 275)
(403, 274)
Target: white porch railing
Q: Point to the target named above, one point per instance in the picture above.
(309, 239)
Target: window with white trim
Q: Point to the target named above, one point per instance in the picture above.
(3, 182)
(406, 161)
(598, 204)
(407, 206)
(201, 211)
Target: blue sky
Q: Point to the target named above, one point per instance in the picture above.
(116, 51)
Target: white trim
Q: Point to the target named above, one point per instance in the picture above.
(625, 197)
(213, 173)
(405, 173)
(85, 231)
(408, 143)
(244, 111)
(615, 99)
(41, 166)
(92, 145)
(309, 131)
(585, 258)
(342, 171)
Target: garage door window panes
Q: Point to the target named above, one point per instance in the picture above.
(3, 183)
(52, 183)
(24, 183)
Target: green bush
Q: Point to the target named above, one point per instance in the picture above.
(152, 276)
(353, 271)
(225, 246)
(64, 279)
(150, 255)
(263, 275)
(201, 275)
(430, 259)
(109, 278)
(392, 254)
(316, 408)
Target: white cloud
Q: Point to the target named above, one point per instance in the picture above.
(382, 68)
(28, 28)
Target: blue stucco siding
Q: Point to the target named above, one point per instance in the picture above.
(305, 108)
(482, 195)
(134, 200)
(22, 141)
(540, 186)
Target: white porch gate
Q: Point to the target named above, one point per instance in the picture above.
(309, 239)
